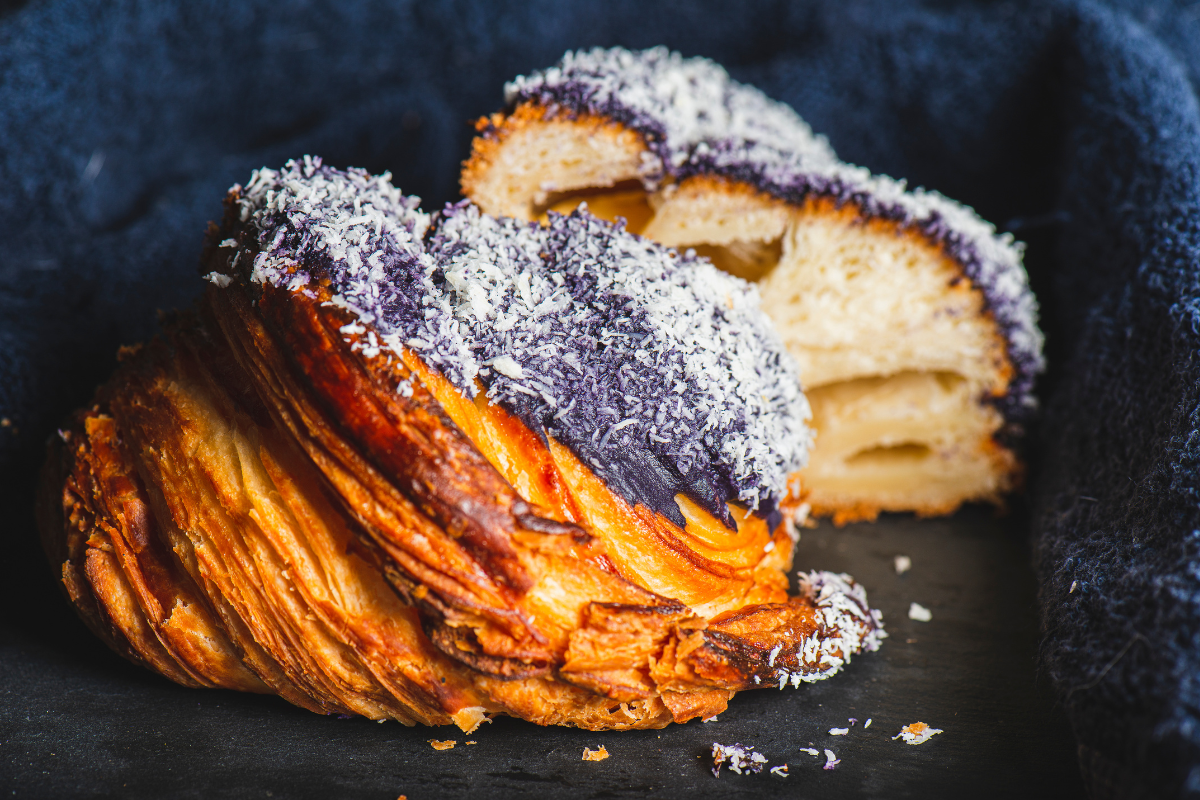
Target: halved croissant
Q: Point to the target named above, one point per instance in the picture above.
(271, 497)
(911, 320)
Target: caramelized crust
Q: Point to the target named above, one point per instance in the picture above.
(251, 504)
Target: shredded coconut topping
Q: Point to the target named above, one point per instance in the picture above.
(676, 103)
(656, 369)
(741, 758)
(697, 120)
(848, 625)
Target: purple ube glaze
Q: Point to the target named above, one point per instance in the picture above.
(656, 369)
(696, 120)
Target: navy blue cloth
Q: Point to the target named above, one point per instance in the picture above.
(1074, 124)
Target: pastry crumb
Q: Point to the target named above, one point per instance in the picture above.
(916, 733)
(919, 612)
(470, 742)
(599, 754)
(740, 757)
(443, 744)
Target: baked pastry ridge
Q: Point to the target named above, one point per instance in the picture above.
(911, 320)
(372, 473)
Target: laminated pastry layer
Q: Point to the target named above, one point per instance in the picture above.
(867, 282)
(654, 368)
(271, 497)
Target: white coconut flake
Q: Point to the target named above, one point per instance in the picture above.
(740, 758)
(903, 564)
(831, 760)
(919, 612)
(506, 365)
(838, 731)
(773, 654)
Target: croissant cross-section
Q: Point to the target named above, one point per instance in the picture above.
(910, 317)
(435, 469)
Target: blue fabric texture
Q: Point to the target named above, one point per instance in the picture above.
(1073, 124)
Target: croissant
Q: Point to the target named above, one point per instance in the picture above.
(911, 320)
(435, 469)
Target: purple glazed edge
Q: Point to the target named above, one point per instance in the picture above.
(1017, 405)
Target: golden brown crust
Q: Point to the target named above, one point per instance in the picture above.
(251, 505)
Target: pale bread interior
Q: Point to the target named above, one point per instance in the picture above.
(896, 354)
(539, 161)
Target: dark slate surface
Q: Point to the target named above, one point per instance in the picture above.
(1071, 122)
(77, 721)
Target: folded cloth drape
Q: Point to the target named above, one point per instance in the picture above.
(1072, 123)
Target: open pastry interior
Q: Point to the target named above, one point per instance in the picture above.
(436, 469)
(910, 320)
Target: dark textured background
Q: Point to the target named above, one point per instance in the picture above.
(1074, 124)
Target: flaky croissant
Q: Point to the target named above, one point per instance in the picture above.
(911, 319)
(436, 469)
